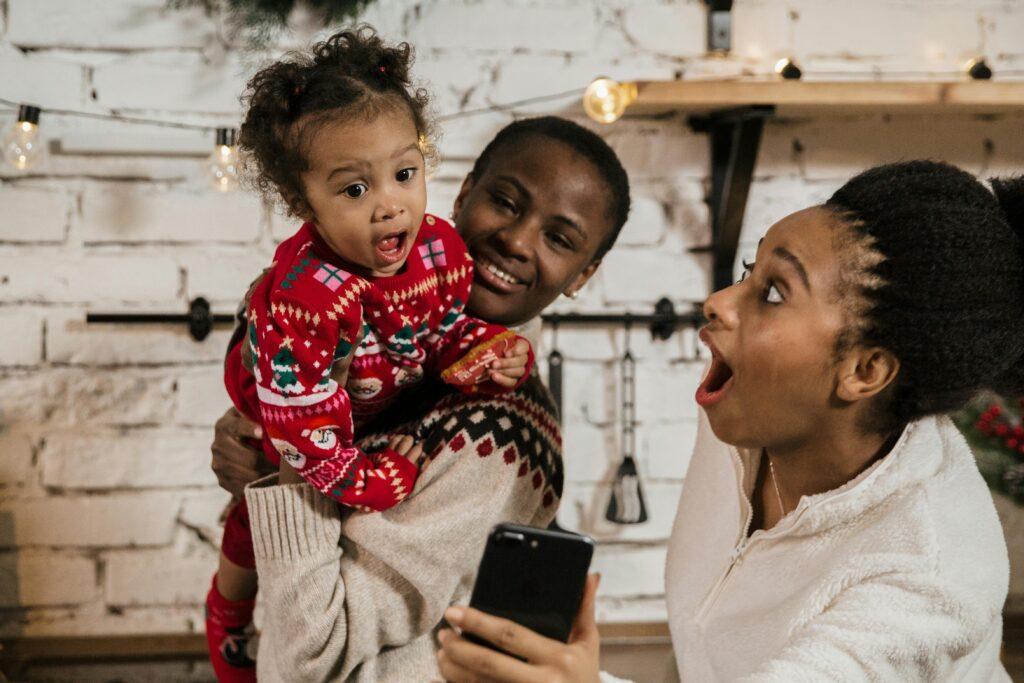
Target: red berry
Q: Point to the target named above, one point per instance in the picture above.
(1012, 443)
(1002, 430)
(995, 410)
(1018, 432)
(981, 426)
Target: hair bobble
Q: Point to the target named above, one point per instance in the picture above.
(295, 97)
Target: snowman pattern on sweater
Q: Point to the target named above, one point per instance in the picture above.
(310, 311)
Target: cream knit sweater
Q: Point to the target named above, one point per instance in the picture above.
(898, 576)
(357, 597)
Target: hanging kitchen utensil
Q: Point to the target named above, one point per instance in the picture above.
(626, 505)
(555, 371)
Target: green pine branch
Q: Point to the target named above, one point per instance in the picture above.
(260, 20)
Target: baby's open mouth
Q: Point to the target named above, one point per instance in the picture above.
(391, 247)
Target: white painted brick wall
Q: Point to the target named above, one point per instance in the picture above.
(33, 214)
(135, 213)
(142, 458)
(48, 276)
(29, 578)
(21, 334)
(16, 465)
(111, 25)
(35, 79)
(167, 576)
(123, 519)
(108, 511)
(70, 341)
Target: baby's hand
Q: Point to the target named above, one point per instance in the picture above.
(506, 370)
(406, 446)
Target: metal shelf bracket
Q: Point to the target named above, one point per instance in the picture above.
(735, 136)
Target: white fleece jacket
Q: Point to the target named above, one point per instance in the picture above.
(898, 576)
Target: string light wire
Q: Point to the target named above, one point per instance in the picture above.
(12, 105)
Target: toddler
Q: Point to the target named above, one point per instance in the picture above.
(369, 283)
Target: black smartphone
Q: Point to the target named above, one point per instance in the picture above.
(534, 577)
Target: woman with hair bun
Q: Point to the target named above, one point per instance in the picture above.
(834, 525)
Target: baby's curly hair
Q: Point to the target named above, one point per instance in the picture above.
(936, 276)
(352, 73)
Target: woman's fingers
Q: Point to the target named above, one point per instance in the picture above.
(415, 452)
(505, 634)
(233, 423)
(233, 461)
(452, 672)
(584, 628)
(401, 443)
(406, 446)
(244, 427)
(468, 661)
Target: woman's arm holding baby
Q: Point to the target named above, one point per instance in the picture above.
(358, 585)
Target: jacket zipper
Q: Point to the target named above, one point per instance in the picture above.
(737, 552)
(743, 543)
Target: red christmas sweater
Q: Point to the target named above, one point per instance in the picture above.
(308, 311)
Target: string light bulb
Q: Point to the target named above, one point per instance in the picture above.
(788, 69)
(605, 100)
(222, 164)
(978, 69)
(23, 145)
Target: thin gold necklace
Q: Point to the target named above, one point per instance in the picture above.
(775, 483)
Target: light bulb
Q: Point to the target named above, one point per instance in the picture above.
(606, 100)
(222, 164)
(23, 145)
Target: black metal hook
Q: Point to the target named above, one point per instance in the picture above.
(200, 319)
(662, 323)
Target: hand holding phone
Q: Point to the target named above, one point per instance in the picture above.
(534, 577)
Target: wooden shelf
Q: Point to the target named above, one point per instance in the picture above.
(733, 114)
(819, 96)
(18, 653)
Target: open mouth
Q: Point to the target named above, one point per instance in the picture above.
(391, 247)
(718, 379)
(491, 274)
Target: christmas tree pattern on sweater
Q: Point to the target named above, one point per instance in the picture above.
(311, 311)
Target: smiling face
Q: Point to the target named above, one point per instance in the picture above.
(366, 188)
(533, 223)
(774, 377)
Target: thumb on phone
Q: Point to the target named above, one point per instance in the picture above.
(584, 628)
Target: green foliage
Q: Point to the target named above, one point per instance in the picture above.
(260, 20)
(999, 456)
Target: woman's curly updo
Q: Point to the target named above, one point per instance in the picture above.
(352, 73)
(934, 273)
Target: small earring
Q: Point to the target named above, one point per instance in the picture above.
(573, 295)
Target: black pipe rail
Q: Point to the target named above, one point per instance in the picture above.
(663, 322)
